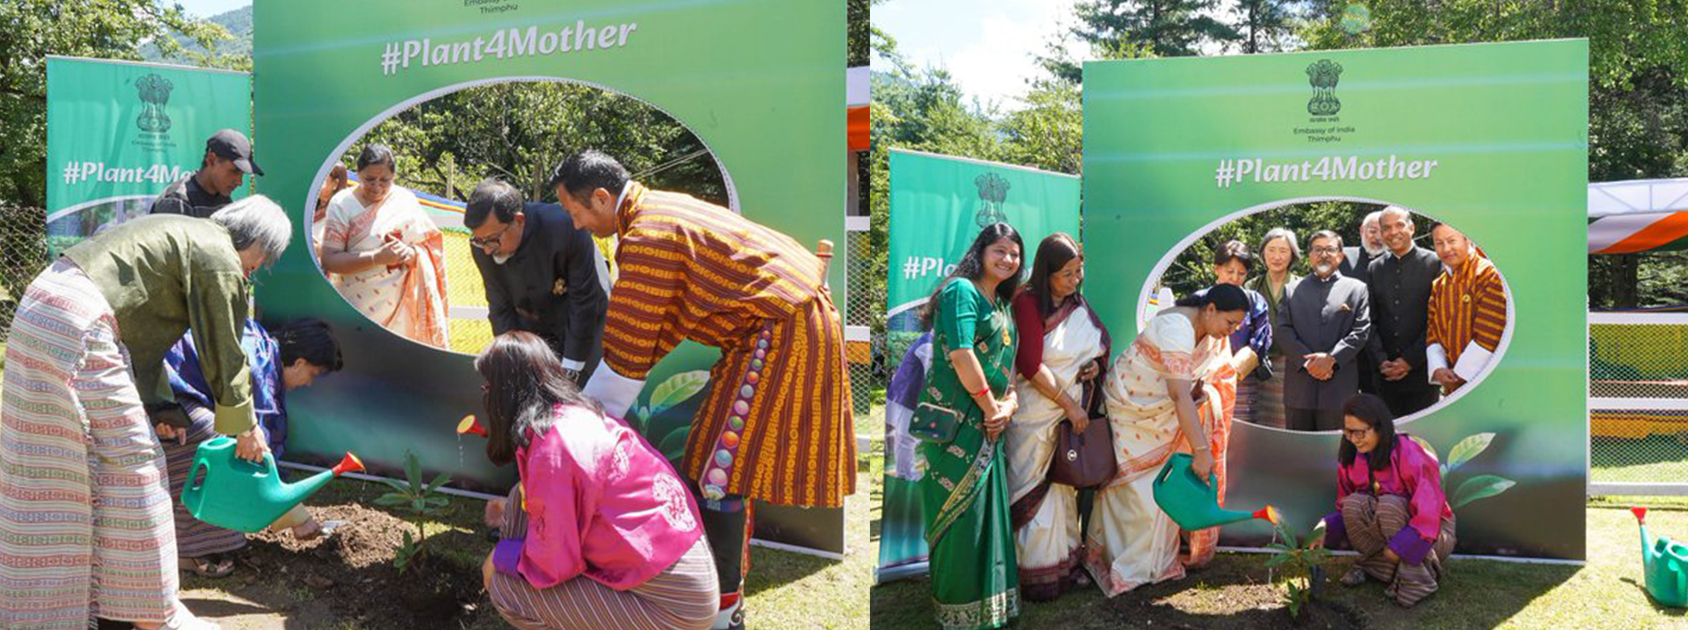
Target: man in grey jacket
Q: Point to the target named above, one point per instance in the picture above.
(1322, 326)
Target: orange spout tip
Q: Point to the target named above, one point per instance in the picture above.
(349, 463)
(1268, 514)
(471, 425)
(1640, 514)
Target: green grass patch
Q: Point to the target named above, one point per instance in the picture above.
(1606, 593)
(1658, 458)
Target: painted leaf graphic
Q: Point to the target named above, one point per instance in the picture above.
(673, 445)
(1479, 487)
(1466, 449)
(677, 389)
(1425, 444)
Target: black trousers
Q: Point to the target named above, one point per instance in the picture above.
(1404, 398)
(1312, 419)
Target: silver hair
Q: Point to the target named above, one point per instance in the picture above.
(1375, 217)
(1289, 238)
(1406, 215)
(256, 220)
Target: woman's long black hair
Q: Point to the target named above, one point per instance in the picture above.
(972, 266)
(1375, 413)
(524, 380)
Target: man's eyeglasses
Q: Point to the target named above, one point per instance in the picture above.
(490, 241)
(1327, 250)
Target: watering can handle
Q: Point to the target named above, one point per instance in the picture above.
(1166, 472)
(192, 495)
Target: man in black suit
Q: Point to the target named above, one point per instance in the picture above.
(1321, 328)
(541, 274)
(1400, 303)
(1355, 261)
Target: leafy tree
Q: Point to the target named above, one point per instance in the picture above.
(1049, 132)
(857, 33)
(519, 131)
(107, 29)
(1165, 28)
(1262, 25)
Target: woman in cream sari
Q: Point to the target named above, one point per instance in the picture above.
(1062, 347)
(387, 256)
(1154, 413)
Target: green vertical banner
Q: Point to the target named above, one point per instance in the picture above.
(939, 204)
(1489, 138)
(119, 132)
(760, 82)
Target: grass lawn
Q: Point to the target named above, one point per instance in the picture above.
(1604, 594)
(1659, 458)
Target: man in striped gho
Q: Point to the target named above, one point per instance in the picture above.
(1467, 311)
(775, 425)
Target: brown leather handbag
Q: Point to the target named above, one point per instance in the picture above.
(1085, 460)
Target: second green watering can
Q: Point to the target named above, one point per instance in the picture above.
(1192, 502)
(1664, 562)
(243, 496)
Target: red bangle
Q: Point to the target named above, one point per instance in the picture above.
(982, 391)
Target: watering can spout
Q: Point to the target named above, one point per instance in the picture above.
(245, 496)
(1193, 502)
(471, 425)
(1664, 562)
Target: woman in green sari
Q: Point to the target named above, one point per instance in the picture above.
(964, 486)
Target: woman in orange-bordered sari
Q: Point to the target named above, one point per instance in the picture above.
(1171, 391)
(388, 257)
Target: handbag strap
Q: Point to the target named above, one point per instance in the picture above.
(1092, 390)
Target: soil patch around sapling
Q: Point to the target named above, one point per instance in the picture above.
(348, 579)
(1224, 597)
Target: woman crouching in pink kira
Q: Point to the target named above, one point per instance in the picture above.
(1390, 505)
(610, 536)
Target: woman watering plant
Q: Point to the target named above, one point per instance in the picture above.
(1390, 505)
(82, 474)
(606, 535)
(1171, 391)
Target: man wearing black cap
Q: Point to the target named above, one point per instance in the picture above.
(228, 158)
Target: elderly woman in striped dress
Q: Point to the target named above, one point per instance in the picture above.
(601, 532)
(85, 521)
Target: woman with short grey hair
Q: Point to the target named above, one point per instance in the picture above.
(85, 403)
(1280, 251)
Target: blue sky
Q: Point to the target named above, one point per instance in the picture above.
(208, 8)
(987, 45)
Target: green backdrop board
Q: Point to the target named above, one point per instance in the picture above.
(759, 81)
(1491, 138)
(938, 205)
(119, 132)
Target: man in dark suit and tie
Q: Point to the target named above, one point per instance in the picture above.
(1321, 329)
(1400, 302)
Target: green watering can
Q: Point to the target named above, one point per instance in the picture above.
(240, 495)
(1665, 562)
(1194, 503)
